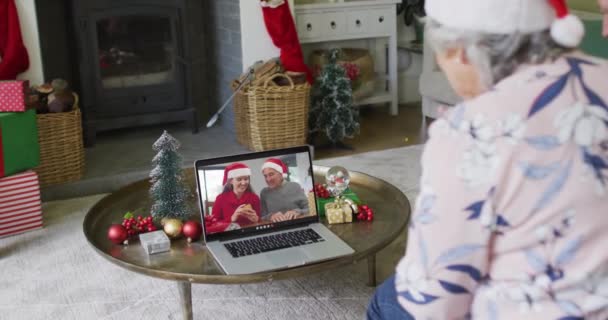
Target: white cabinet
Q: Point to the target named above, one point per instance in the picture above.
(353, 20)
(308, 25)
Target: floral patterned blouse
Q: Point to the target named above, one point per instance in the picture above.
(512, 218)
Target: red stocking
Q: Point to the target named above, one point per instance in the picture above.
(282, 31)
(12, 50)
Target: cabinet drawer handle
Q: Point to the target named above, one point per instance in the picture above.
(381, 19)
(358, 23)
(333, 24)
(308, 26)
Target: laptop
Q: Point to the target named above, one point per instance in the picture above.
(259, 212)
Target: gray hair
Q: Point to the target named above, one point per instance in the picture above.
(495, 55)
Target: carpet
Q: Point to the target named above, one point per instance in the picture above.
(53, 273)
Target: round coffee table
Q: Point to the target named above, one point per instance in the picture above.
(190, 263)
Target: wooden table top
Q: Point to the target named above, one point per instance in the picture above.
(193, 263)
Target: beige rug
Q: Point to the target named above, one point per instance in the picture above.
(53, 273)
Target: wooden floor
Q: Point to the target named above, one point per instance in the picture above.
(380, 131)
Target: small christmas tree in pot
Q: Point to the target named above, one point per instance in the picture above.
(332, 110)
(168, 192)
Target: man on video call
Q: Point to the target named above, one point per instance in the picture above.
(282, 200)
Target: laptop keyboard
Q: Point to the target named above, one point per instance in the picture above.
(273, 242)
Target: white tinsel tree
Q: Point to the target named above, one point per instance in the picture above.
(332, 110)
(168, 191)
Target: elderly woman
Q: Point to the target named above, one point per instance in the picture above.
(237, 203)
(512, 218)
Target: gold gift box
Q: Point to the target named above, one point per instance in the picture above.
(338, 212)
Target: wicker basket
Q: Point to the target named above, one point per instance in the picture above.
(241, 118)
(61, 146)
(271, 117)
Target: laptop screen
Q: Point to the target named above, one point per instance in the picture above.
(256, 192)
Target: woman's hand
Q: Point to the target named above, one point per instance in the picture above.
(246, 212)
(251, 215)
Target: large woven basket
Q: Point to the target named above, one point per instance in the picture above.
(61, 146)
(241, 116)
(271, 117)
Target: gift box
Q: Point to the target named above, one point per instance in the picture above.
(348, 193)
(155, 242)
(13, 95)
(19, 149)
(338, 212)
(20, 206)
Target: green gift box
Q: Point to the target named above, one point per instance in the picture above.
(348, 193)
(19, 150)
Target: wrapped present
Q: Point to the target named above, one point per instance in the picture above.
(348, 193)
(20, 206)
(13, 95)
(338, 211)
(155, 242)
(19, 149)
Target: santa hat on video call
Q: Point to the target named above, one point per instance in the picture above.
(509, 16)
(276, 164)
(236, 170)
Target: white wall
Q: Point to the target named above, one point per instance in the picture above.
(255, 41)
(29, 32)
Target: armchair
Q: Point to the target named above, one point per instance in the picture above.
(434, 87)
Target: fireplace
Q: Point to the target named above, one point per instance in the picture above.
(134, 62)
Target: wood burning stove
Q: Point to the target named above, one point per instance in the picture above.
(136, 63)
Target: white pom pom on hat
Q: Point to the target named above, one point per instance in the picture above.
(509, 16)
(567, 30)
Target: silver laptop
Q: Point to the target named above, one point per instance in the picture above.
(260, 214)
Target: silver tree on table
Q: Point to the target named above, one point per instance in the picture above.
(168, 191)
(332, 110)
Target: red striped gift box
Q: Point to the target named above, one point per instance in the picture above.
(20, 205)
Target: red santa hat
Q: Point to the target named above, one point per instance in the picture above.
(506, 16)
(276, 164)
(236, 170)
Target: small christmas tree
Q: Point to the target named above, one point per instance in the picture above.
(332, 110)
(167, 191)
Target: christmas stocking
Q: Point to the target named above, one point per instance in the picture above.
(12, 50)
(282, 31)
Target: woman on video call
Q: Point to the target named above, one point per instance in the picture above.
(237, 203)
(281, 200)
(512, 217)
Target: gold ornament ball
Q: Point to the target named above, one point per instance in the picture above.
(173, 227)
(163, 220)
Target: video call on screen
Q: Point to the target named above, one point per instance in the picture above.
(258, 200)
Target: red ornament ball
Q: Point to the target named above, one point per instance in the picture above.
(117, 233)
(192, 230)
